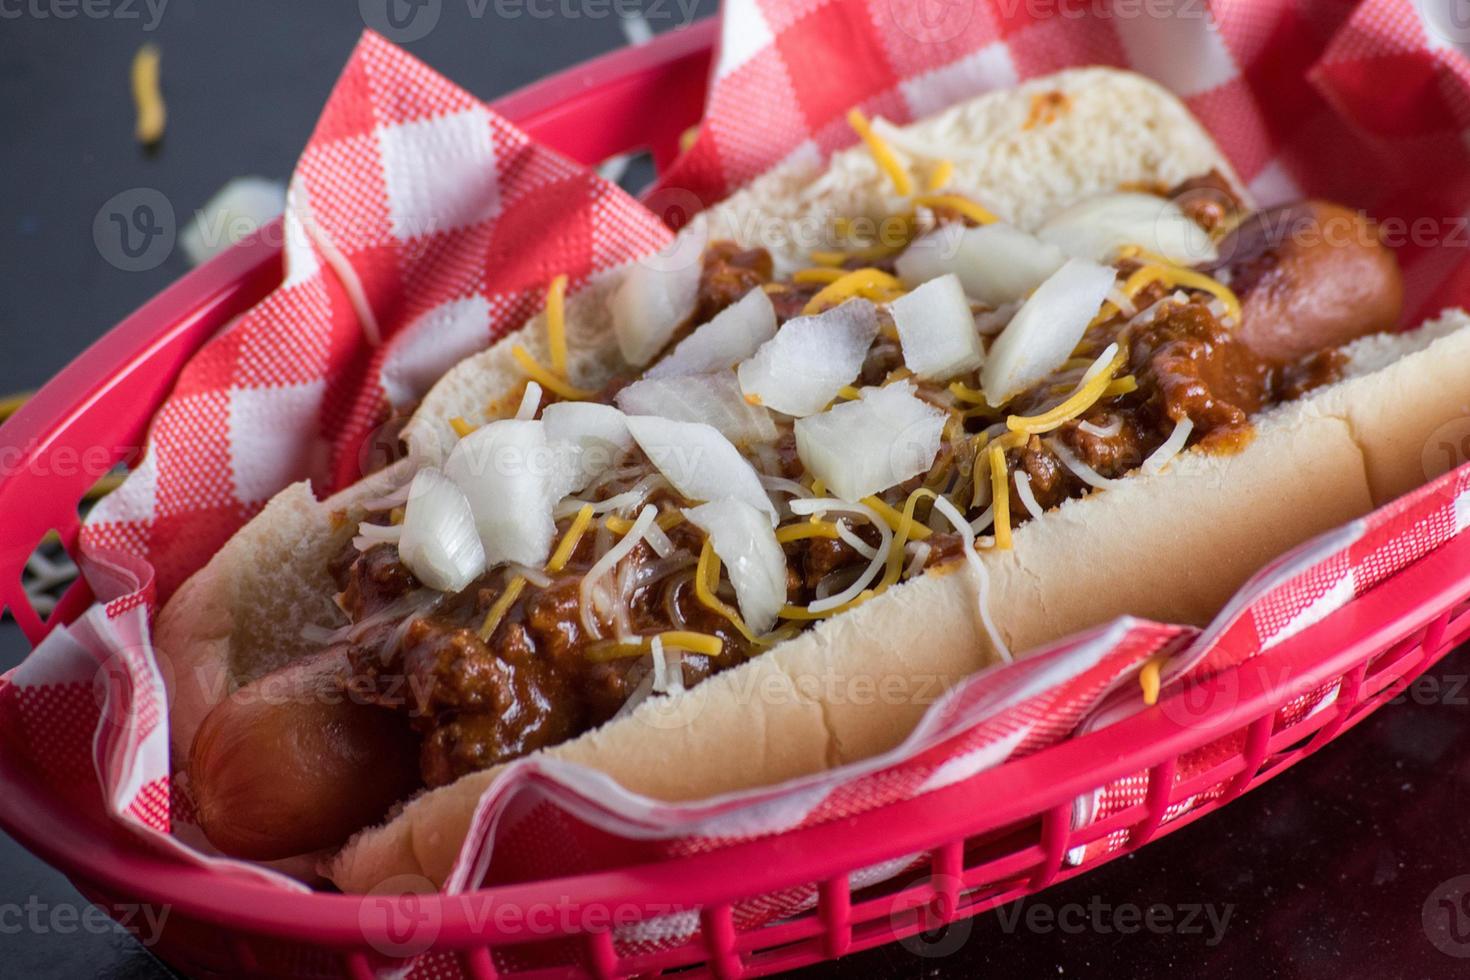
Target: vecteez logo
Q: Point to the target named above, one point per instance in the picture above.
(1446, 917)
(1447, 448)
(931, 21)
(401, 917)
(135, 230)
(401, 21)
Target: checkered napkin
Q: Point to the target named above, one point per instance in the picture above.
(422, 226)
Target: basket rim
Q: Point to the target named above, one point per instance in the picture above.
(120, 862)
(1017, 790)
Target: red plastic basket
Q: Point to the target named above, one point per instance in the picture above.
(989, 840)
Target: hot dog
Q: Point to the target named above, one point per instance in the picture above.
(1021, 365)
(349, 762)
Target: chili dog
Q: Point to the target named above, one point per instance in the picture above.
(919, 455)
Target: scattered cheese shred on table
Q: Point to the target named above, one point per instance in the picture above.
(148, 96)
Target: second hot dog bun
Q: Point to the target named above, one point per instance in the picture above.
(1117, 129)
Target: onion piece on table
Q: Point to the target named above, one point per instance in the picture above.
(508, 473)
(732, 336)
(1096, 227)
(700, 463)
(865, 446)
(714, 398)
(1045, 330)
(439, 543)
(997, 264)
(800, 370)
(937, 330)
(743, 539)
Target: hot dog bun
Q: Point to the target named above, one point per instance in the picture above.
(1172, 547)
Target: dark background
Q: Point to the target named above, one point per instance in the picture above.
(1333, 871)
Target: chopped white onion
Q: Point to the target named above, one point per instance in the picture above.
(850, 538)
(607, 563)
(668, 670)
(653, 300)
(875, 565)
(919, 557)
(641, 693)
(711, 398)
(395, 498)
(1121, 300)
(1023, 490)
(937, 330)
(1096, 227)
(991, 322)
(371, 534)
(1081, 470)
(507, 472)
(734, 334)
(599, 434)
(699, 462)
(530, 401)
(236, 210)
(781, 484)
(624, 501)
(439, 543)
(659, 541)
(743, 539)
(1045, 331)
(800, 370)
(865, 446)
(985, 520)
(1171, 447)
(982, 577)
(995, 263)
(533, 576)
(1102, 432)
(405, 608)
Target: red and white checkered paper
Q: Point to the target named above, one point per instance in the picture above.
(453, 222)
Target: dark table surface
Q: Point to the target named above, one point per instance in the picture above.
(1337, 870)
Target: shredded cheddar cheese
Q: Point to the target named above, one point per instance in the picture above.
(1125, 385)
(1086, 395)
(823, 274)
(969, 395)
(901, 524)
(814, 528)
(941, 174)
(1175, 275)
(695, 642)
(556, 324)
(547, 379)
(961, 205)
(803, 613)
(894, 567)
(849, 393)
(1000, 495)
(1149, 677)
(883, 155)
(621, 525)
(460, 426)
(706, 580)
(148, 96)
(570, 540)
(502, 605)
(873, 283)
